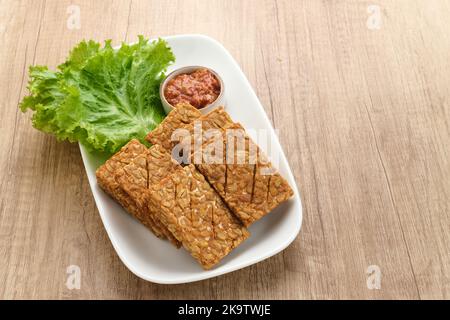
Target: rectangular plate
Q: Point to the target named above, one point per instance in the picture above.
(157, 260)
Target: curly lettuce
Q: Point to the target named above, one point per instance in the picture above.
(100, 96)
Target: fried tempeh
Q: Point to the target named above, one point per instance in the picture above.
(247, 182)
(203, 130)
(180, 116)
(135, 179)
(197, 216)
(105, 173)
(216, 119)
(107, 178)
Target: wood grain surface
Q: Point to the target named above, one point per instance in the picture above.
(363, 111)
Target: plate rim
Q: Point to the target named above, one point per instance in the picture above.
(214, 272)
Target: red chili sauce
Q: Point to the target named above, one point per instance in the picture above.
(199, 88)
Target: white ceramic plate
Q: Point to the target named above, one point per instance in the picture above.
(157, 260)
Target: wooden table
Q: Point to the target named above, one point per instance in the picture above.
(360, 96)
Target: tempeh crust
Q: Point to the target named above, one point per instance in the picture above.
(251, 189)
(197, 216)
(198, 130)
(107, 177)
(180, 116)
(105, 173)
(135, 178)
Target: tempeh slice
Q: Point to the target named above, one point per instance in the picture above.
(249, 184)
(107, 177)
(135, 178)
(197, 216)
(180, 116)
(105, 173)
(200, 131)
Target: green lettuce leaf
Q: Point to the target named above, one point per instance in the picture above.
(100, 97)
